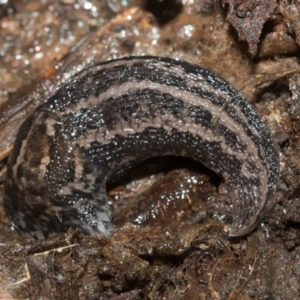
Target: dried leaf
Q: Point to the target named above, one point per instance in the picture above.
(248, 18)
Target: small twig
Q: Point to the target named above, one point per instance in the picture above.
(59, 250)
(26, 278)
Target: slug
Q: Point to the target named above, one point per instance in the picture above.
(115, 114)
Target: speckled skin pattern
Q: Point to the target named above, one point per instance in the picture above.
(115, 114)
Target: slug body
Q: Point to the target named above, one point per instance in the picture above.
(113, 115)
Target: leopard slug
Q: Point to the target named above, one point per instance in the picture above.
(115, 114)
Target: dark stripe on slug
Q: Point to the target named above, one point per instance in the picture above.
(138, 104)
(159, 142)
(111, 116)
(100, 82)
(231, 139)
